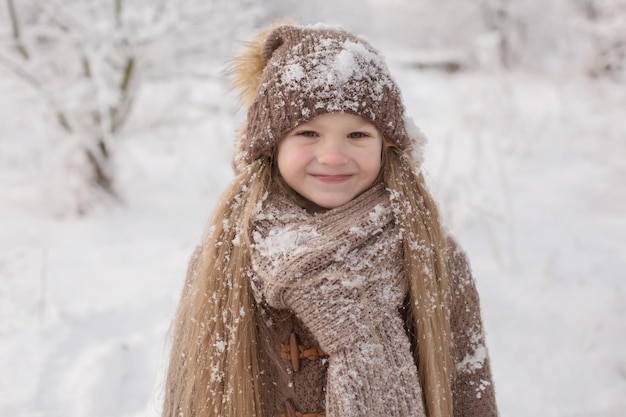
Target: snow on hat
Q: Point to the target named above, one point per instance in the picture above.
(291, 74)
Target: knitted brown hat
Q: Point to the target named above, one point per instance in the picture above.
(295, 73)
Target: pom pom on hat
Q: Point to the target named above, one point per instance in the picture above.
(247, 70)
(247, 67)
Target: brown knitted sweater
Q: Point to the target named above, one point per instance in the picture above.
(333, 288)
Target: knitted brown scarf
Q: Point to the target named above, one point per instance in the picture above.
(340, 272)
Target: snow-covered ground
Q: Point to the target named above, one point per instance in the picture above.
(529, 171)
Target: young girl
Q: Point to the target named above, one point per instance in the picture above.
(325, 284)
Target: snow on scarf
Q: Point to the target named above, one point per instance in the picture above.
(340, 272)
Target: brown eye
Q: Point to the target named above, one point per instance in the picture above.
(307, 133)
(357, 135)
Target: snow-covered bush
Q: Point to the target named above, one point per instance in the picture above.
(560, 37)
(605, 22)
(86, 60)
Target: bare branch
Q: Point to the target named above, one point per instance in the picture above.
(30, 80)
(86, 66)
(118, 12)
(59, 15)
(129, 72)
(16, 30)
(120, 113)
(63, 122)
(20, 71)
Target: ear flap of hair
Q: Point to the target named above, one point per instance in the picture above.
(247, 67)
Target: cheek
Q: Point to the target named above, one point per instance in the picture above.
(375, 167)
(373, 161)
(288, 160)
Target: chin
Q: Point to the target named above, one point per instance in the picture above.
(329, 204)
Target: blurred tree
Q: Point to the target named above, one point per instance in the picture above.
(87, 59)
(605, 21)
(504, 18)
(560, 36)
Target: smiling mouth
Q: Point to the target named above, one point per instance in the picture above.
(332, 179)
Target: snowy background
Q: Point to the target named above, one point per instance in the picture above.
(524, 104)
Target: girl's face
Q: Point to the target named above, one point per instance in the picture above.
(331, 158)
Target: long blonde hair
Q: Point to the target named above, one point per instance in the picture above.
(214, 362)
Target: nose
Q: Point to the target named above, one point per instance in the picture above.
(331, 152)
